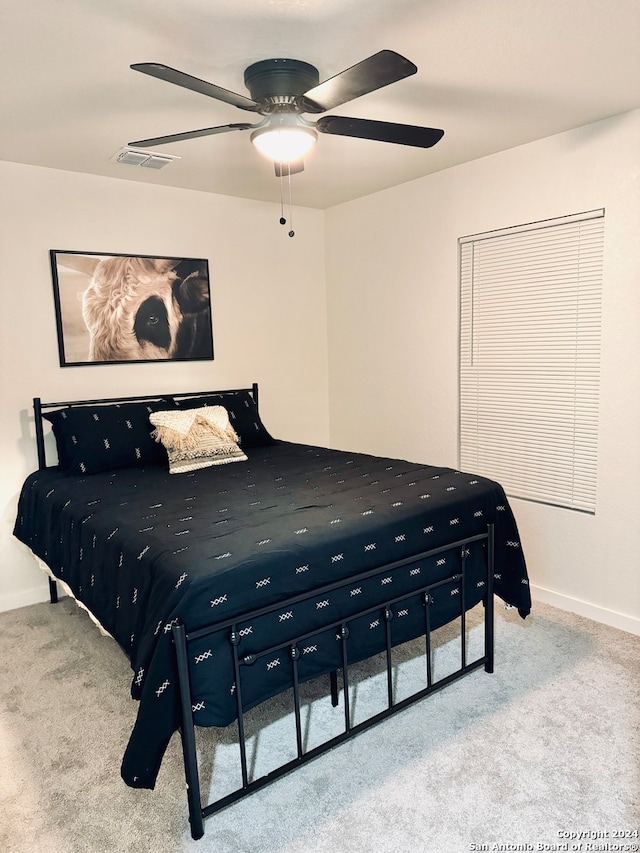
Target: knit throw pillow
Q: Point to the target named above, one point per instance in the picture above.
(196, 438)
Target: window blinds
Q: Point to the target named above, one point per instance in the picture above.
(530, 311)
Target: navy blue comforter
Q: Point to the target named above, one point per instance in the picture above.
(143, 549)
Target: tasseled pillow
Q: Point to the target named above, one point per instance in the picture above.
(196, 438)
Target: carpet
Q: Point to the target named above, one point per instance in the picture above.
(546, 748)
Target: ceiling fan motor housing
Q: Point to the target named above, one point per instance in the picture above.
(280, 79)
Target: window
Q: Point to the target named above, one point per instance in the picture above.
(530, 311)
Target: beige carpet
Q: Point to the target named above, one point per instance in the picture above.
(547, 745)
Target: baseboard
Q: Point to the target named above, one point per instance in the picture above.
(35, 595)
(582, 608)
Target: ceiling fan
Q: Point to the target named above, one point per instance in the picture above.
(283, 89)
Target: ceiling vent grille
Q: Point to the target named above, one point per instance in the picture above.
(145, 159)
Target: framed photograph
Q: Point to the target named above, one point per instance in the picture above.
(114, 309)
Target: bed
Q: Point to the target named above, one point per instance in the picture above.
(232, 566)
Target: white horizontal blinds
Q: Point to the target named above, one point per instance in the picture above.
(529, 358)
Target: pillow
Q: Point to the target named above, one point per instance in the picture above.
(243, 415)
(95, 438)
(196, 438)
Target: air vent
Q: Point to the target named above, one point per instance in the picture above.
(146, 159)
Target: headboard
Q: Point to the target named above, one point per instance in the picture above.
(40, 408)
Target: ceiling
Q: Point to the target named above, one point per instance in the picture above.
(493, 74)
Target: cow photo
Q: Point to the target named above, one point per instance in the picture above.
(124, 308)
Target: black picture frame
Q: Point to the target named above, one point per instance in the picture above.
(131, 309)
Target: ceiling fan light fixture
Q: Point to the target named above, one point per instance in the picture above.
(284, 143)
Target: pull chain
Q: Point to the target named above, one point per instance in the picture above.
(283, 220)
(291, 232)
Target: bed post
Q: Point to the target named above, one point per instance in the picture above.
(489, 604)
(42, 463)
(188, 734)
(53, 591)
(37, 413)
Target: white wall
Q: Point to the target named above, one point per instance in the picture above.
(268, 303)
(393, 338)
(391, 346)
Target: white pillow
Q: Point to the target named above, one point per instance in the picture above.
(196, 438)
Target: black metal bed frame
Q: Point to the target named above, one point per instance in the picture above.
(183, 638)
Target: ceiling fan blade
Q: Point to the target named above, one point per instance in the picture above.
(283, 170)
(382, 131)
(373, 73)
(170, 75)
(189, 134)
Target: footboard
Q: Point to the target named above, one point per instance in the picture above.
(290, 653)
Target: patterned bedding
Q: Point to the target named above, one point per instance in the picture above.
(142, 549)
